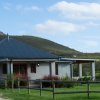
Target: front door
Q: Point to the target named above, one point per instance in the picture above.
(20, 70)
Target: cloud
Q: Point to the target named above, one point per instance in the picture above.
(20, 8)
(26, 8)
(53, 27)
(81, 10)
(92, 24)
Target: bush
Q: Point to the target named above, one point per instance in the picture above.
(85, 78)
(2, 84)
(57, 84)
(23, 81)
(49, 84)
(50, 77)
(98, 77)
(66, 84)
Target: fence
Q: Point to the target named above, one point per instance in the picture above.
(53, 88)
(88, 91)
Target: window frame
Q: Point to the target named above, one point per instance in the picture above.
(33, 67)
(56, 69)
(4, 68)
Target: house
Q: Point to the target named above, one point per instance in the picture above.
(22, 59)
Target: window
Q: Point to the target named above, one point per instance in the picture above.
(56, 69)
(4, 69)
(33, 68)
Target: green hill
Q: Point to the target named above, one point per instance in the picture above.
(53, 47)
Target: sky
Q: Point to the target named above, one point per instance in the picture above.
(73, 23)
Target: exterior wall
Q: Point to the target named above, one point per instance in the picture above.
(53, 68)
(64, 70)
(41, 71)
(44, 69)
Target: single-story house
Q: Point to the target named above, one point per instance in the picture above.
(22, 59)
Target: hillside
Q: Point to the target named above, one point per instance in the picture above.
(53, 47)
(48, 45)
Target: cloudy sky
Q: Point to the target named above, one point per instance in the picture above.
(73, 23)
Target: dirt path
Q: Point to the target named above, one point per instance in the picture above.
(1, 98)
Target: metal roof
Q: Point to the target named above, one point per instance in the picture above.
(13, 49)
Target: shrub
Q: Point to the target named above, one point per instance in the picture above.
(57, 84)
(66, 84)
(98, 77)
(50, 77)
(9, 80)
(49, 84)
(2, 84)
(85, 78)
(23, 81)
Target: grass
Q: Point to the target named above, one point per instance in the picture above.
(34, 94)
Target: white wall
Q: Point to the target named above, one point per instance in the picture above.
(43, 69)
(53, 68)
(64, 69)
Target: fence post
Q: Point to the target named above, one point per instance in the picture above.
(28, 86)
(6, 84)
(40, 87)
(18, 84)
(88, 89)
(12, 83)
(53, 84)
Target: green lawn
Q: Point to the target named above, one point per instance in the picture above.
(34, 94)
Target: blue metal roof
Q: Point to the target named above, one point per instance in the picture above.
(13, 49)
